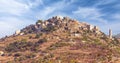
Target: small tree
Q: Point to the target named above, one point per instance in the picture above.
(39, 21)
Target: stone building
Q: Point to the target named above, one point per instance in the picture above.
(21, 33)
(17, 32)
(110, 33)
(46, 23)
(66, 18)
(90, 27)
(96, 30)
(58, 17)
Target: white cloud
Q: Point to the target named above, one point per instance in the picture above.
(45, 12)
(31, 3)
(18, 8)
(53, 9)
(90, 14)
(10, 24)
(104, 2)
(12, 7)
(116, 16)
(12, 14)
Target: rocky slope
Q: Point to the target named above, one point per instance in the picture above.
(59, 40)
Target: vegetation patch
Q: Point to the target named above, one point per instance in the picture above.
(50, 28)
(20, 46)
(38, 35)
(57, 45)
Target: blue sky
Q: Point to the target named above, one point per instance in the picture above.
(16, 14)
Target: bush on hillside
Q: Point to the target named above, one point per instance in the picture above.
(38, 35)
(21, 46)
(39, 21)
(18, 46)
(50, 28)
(56, 45)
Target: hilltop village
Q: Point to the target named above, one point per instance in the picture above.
(65, 23)
(58, 21)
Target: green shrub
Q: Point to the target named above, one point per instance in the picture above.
(97, 42)
(50, 28)
(31, 55)
(30, 37)
(20, 46)
(72, 61)
(17, 54)
(85, 38)
(115, 41)
(23, 46)
(56, 45)
(21, 58)
(42, 60)
(38, 35)
(24, 40)
(42, 41)
(39, 21)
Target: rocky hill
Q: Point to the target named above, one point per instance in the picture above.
(59, 40)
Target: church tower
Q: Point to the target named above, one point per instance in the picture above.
(110, 33)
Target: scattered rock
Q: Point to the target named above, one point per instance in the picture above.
(1, 53)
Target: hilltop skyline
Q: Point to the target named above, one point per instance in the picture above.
(16, 14)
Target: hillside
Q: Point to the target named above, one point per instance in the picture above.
(59, 40)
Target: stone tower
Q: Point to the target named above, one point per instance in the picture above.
(110, 33)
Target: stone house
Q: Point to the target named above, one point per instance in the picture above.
(21, 33)
(96, 30)
(46, 23)
(17, 32)
(90, 27)
(66, 18)
(110, 33)
(84, 28)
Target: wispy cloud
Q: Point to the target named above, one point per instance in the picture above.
(12, 7)
(10, 24)
(104, 2)
(90, 14)
(54, 9)
(116, 16)
(12, 16)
